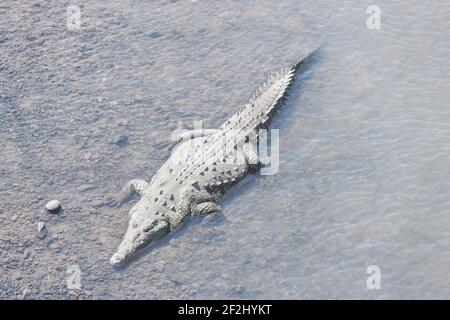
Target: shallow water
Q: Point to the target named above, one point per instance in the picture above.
(364, 147)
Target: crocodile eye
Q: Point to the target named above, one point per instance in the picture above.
(150, 226)
(147, 228)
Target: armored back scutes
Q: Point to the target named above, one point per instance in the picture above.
(265, 102)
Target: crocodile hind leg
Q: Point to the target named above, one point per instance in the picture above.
(202, 202)
(192, 134)
(209, 210)
(205, 208)
(133, 186)
(251, 156)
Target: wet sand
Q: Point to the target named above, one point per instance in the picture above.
(364, 147)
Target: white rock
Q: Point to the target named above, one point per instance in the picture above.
(53, 206)
(25, 293)
(159, 267)
(42, 230)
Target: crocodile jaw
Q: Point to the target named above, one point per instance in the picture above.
(137, 236)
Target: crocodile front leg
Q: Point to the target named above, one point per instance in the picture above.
(133, 186)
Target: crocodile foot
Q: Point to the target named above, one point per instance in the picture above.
(117, 200)
(206, 208)
(134, 186)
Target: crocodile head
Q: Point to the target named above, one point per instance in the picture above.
(144, 228)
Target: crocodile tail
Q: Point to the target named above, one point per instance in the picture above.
(265, 101)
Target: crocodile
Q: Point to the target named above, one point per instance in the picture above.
(202, 167)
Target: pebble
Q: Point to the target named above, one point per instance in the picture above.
(159, 267)
(97, 203)
(25, 293)
(121, 141)
(26, 254)
(73, 293)
(93, 211)
(17, 277)
(238, 289)
(42, 230)
(87, 156)
(155, 35)
(123, 123)
(85, 187)
(53, 206)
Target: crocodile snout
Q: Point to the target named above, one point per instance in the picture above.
(117, 259)
(138, 235)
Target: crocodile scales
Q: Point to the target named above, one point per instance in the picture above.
(203, 166)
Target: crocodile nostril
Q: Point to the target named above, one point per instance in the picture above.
(116, 259)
